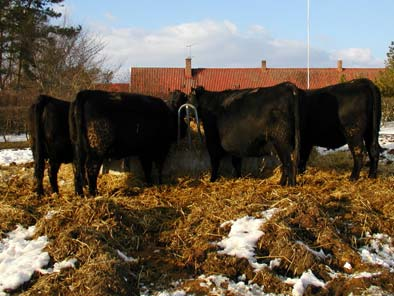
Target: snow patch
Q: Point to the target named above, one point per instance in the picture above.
(14, 138)
(243, 236)
(21, 256)
(18, 156)
(306, 279)
(379, 250)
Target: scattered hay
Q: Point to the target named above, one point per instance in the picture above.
(171, 230)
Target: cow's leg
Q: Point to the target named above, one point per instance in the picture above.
(237, 164)
(52, 172)
(93, 168)
(126, 164)
(78, 182)
(215, 162)
(288, 166)
(215, 154)
(106, 164)
(39, 166)
(373, 153)
(159, 162)
(305, 151)
(146, 163)
(215, 150)
(356, 148)
(79, 171)
(159, 166)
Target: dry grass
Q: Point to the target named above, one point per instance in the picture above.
(14, 145)
(170, 228)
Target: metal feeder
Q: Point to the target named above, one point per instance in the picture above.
(187, 107)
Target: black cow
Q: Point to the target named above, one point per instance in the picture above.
(242, 122)
(50, 140)
(346, 113)
(116, 125)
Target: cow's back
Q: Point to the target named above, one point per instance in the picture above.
(121, 124)
(326, 111)
(255, 117)
(57, 135)
(250, 123)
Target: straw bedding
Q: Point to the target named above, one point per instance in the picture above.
(169, 229)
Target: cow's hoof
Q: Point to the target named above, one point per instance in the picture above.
(92, 193)
(39, 193)
(292, 183)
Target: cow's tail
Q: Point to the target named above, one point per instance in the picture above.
(78, 139)
(37, 140)
(375, 148)
(376, 114)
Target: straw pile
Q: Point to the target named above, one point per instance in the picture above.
(169, 229)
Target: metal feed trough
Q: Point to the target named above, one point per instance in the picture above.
(187, 107)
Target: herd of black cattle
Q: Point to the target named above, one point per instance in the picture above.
(98, 125)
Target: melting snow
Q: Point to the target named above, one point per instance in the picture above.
(306, 279)
(232, 288)
(379, 250)
(18, 156)
(21, 256)
(243, 236)
(14, 138)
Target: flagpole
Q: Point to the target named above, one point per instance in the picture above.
(307, 30)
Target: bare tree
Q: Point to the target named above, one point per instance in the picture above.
(67, 65)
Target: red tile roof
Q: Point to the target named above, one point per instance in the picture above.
(160, 81)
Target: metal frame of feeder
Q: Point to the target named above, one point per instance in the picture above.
(188, 106)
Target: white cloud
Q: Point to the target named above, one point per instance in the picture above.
(357, 57)
(218, 44)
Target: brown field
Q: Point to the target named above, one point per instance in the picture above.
(170, 229)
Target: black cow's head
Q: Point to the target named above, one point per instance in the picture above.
(177, 99)
(195, 94)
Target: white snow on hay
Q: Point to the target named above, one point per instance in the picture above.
(306, 279)
(243, 236)
(379, 250)
(21, 256)
(18, 156)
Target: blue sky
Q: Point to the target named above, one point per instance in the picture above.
(238, 33)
